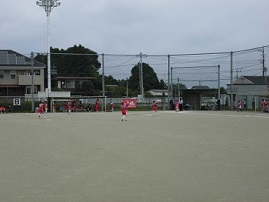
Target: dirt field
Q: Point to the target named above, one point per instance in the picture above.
(184, 156)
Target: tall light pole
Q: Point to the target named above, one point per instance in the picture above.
(48, 5)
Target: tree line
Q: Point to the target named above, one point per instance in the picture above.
(78, 61)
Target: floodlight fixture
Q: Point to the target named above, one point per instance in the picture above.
(48, 5)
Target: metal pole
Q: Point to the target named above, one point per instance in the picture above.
(263, 65)
(231, 80)
(178, 88)
(172, 96)
(103, 81)
(103, 74)
(141, 76)
(218, 81)
(169, 93)
(32, 87)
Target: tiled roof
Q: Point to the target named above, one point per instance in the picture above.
(252, 80)
(200, 87)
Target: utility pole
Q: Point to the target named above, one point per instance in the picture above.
(32, 86)
(178, 88)
(263, 63)
(103, 74)
(172, 83)
(231, 80)
(168, 86)
(141, 76)
(219, 82)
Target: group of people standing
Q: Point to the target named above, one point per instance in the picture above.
(264, 105)
(69, 106)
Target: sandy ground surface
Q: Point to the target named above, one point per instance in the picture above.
(186, 156)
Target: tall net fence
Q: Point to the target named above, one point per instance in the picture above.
(191, 70)
(194, 69)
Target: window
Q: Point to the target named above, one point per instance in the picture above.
(1, 74)
(13, 74)
(28, 90)
(70, 84)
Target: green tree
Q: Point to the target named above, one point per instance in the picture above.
(162, 85)
(150, 79)
(109, 80)
(76, 61)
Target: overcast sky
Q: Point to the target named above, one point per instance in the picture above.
(134, 26)
(151, 27)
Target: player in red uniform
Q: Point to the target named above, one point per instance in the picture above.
(41, 109)
(2, 109)
(154, 107)
(123, 111)
(97, 105)
(176, 105)
(69, 106)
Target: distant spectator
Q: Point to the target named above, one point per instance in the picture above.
(263, 104)
(80, 105)
(239, 106)
(181, 104)
(112, 106)
(253, 103)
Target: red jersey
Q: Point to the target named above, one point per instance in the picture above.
(154, 106)
(123, 109)
(176, 105)
(41, 108)
(97, 105)
(69, 105)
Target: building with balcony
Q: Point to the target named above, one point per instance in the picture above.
(71, 83)
(16, 75)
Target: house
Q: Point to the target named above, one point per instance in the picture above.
(249, 89)
(15, 74)
(158, 92)
(71, 83)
